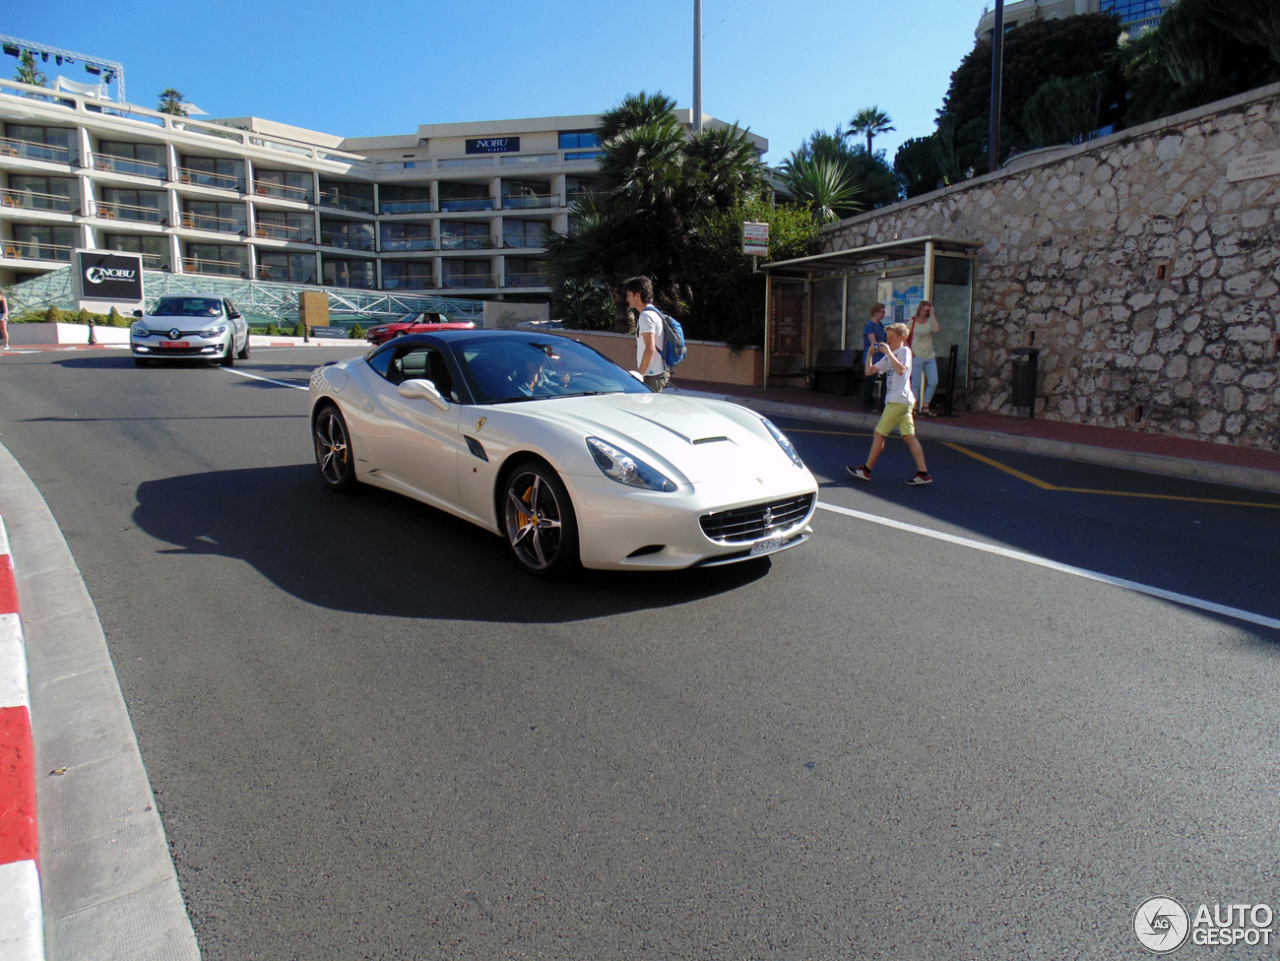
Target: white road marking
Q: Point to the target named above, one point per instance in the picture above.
(244, 373)
(1134, 586)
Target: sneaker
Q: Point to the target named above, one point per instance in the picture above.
(920, 480)
(862, 473)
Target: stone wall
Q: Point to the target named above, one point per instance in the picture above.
(1148, 278)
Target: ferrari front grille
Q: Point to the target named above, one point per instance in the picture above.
(742, 525)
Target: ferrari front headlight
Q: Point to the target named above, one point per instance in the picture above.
(627, 468)
(783, 441)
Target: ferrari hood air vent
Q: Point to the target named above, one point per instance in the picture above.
(709, 440)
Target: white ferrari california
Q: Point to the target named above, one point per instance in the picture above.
(569, 457)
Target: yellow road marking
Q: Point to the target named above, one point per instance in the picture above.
(840, 433)
(1045, 485)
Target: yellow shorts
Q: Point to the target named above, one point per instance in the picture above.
(899, 416)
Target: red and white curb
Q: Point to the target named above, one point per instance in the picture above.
(21, 928)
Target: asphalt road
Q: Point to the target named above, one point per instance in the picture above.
(370, 737)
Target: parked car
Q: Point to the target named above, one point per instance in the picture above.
(567, 456)
(415, 324)
(189, 326)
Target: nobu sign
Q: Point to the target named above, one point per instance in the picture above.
(110, 276)
(494, 145)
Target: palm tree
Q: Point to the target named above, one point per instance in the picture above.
(171, 102)
(821, 185)
(28, 73)
(871, 122)
(722, 168)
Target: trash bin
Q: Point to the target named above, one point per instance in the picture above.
(1026, 369)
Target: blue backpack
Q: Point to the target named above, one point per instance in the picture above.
(673, 348)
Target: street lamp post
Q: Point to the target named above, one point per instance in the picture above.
(697, 66)
(997, 68)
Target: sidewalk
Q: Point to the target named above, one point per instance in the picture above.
(1110, 446)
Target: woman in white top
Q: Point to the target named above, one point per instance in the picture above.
(923, 326)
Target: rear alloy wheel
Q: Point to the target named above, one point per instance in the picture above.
(333, 450)
(244, 354)
(541, 528)
(229, 358)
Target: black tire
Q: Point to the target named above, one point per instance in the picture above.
(243, 354)
(141, 362)
(334, 459)
(398, 333)
(543, 541)
(229, 358)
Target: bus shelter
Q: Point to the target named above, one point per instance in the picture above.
(822, 302)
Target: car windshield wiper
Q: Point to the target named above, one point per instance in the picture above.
(515, 400)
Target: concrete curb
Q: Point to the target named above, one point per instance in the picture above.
(109, 889)
(1248, 477)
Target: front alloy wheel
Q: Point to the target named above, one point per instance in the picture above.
(244, 354)
(333, 451)
(541, 528)
(229, 358)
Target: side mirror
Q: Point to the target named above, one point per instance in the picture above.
(423, 390)
(137, 313)
(234, 316)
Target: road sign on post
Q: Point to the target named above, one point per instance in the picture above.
(755, 239)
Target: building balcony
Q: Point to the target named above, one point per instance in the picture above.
(468, 281)
(203, 178)
(149, 261)
(417, 243)
(38, 151)
(468, 243)
(460, 205)
(523, 243)
(36, 250)
(283, 275)
(301, 195)
(224, 225)
(525, 279)
(108, 210)
(297, 235)
(225, 268)
(408, 207)
(530, 201)
(345, 242)
(330, 198)
(123, 165)
(30, 200)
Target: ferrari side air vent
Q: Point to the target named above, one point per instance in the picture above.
(709, 440)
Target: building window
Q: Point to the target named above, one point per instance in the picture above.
(210, 215)
(523, 194)
(405, 200)
(1133, 11)
(465, 235)
(347, 234)
(523, 272)
(524, 233)
(347, 196)
(58, 144)
(576, 139)
(154, 250)
(145, 206)
(407, 275)
(283, 225)
(407, 237)
(58, 194)
(227, 259)
(285, 184)
(219, 172)
(139, 159)
(575, 188)
(40, 242)
(348, 273)
(458, 197)
(286, 268)
(467, 273)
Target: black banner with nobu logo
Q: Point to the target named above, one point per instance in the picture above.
(111, 276)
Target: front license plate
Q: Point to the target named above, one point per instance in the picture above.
(175, 343)
(766, 546)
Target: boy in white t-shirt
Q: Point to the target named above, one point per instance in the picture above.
(894, 360)
(649, 333)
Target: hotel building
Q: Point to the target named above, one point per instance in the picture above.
(1135, 15)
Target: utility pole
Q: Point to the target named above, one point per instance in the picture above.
(697, 66)
(997, 70)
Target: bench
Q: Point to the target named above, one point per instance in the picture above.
(835, 371)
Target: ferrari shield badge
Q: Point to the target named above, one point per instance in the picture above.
(480, 424)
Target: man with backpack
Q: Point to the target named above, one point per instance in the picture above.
(650, 333)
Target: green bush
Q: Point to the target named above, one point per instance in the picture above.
(53, 315)
(299, 330)
(356, 332)
(116, 319)
(273, 330)
(84, 317)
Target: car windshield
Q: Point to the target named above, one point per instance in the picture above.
(504, 370)
(187, 307)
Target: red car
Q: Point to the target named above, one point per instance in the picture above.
(415, 324)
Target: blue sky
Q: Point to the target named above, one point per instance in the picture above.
(384, 66)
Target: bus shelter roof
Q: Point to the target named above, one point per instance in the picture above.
(839, 260)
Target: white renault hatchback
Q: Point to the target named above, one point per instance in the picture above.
(190, 326)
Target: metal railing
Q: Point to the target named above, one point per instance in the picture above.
(31, 200)
(226, 225)
(38, 151)
(285, 275)
(469, 280)
(409, 283)
(458, 204)
(230, 268)
(110, 210)
(415, 243)
(448, 242)
(264, 188)
(345, 241)
(150, 261)
(526, 279)
(524, 243)
(123, 165)
(529, 201)
(299, 235)
(339, 201)
(36, 250)
(205, 178)
(407, 206)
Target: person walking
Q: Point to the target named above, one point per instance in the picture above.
(649, 333)
(872, 334)
(895, 362)
(4, 318)
(923, 355)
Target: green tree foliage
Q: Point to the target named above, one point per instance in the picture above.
(171, 102)
(583, 305)
(1063, 109)
(28, 72)
(870, 122)
(1252, 22)
(822, 187)
(915, 166)
(868, 173)
(356, 332)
